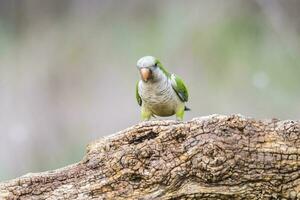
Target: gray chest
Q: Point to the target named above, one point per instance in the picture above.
(160, 98)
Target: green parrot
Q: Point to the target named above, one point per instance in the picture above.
(159, 93)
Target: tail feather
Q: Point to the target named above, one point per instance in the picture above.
(186, 109)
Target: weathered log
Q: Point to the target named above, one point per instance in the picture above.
(214, 157)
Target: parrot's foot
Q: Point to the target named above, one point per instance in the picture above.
(179, 119)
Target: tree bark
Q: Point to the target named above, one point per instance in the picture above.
(214, 157)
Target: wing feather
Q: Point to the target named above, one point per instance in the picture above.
(137, 95)
(179, 87)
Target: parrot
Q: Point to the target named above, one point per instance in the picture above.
(158, 92)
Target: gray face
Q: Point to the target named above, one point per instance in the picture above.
(146, 61)
(148, 68)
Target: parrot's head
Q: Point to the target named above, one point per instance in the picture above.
(151, 69)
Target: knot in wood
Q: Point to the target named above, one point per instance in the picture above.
(211, 163)
(129, 161)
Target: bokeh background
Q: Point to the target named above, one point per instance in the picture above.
(67, 68)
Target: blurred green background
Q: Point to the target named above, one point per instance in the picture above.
(68, 68)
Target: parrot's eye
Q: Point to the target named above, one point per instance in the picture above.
(155, 65)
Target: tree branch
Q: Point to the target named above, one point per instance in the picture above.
(214, 157)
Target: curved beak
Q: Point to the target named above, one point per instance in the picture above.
(146, 74)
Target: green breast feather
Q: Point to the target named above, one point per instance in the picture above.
(179, 87)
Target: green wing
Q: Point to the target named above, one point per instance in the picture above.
(180, 88)
(137, 95)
